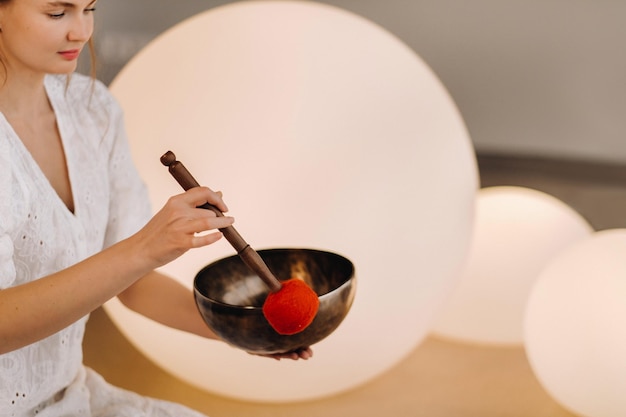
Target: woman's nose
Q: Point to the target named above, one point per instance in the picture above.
(81, 29)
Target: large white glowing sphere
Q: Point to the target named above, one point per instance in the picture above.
(575, 326)
(323, 131)
(517, 231)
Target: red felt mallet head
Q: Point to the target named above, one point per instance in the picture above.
(291, 306)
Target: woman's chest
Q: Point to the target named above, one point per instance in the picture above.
(43, 141)
(47, 236)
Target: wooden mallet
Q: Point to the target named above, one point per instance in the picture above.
(291, 305)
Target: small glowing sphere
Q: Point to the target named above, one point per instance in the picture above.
(575, 326)
(323, 131)
(517, 231)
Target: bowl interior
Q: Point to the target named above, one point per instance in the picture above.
(230, 297)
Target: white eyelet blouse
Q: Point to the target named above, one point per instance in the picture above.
(39, 236)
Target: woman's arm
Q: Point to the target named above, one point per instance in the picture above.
(33, 311)
(168, 302)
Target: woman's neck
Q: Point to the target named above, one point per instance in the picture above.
(24, 97)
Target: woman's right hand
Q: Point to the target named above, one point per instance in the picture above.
(180, 226)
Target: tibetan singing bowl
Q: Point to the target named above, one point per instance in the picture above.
(230, 297)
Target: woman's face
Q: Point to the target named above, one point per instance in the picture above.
(44, 36)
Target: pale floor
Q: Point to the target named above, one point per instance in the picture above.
(440, 378)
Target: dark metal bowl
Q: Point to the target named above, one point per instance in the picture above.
(230, 297)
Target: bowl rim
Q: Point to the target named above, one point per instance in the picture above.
(321, 297)
(238, 307)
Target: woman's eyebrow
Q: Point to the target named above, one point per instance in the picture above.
(61, 3)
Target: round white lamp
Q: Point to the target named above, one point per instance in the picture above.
(575, 326)
(517, 231)
(323, 131)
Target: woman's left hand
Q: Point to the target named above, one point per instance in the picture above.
(301, 353)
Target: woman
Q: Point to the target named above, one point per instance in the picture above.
(75, 226)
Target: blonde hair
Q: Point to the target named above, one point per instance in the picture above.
(92, 58)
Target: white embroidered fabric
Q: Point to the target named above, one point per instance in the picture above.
(39, 235)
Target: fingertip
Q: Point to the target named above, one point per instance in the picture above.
(221, 204)
(208, 239)
(227, 221)
(306, 353)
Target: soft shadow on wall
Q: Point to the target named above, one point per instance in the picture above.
(530, 78)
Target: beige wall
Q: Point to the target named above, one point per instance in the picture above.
(530, 77)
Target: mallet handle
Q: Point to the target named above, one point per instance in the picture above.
(248, 255)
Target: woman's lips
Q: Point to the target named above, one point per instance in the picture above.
(70, 54)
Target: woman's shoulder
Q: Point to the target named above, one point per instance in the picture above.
(88, 100)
